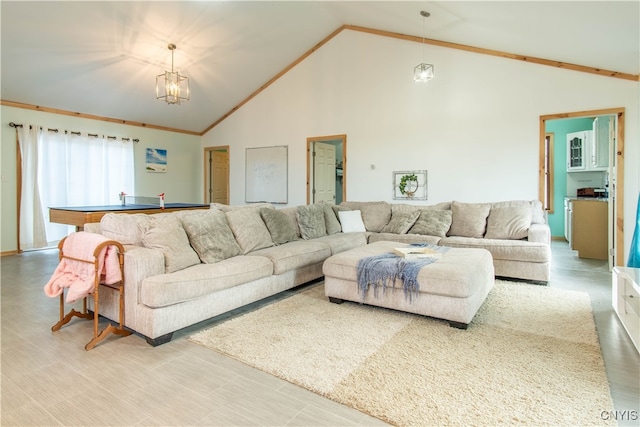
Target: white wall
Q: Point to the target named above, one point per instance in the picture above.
(183, 181)
(475, 127)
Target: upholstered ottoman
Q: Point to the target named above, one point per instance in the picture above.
(452, 288)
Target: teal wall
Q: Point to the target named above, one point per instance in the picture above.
(560, 128)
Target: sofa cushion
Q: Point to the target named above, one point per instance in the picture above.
(249, 229)
(203, 279)
(165, 233)
(226, 208)
(124, 228)
(210, 235)
(509, 222)
(403, 238)
(292, 213)
(343, 241)
(331, 219)
(469, 219)
(280, 225)
(311, 221)
(401, 222)
(375, 215)
(294, 255)
(501, 249)
(538, 215)
(432, 222)
(351, 221)
(405, 207)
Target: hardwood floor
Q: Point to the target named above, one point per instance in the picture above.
(49, 379)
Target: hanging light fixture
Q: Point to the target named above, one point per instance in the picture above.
(423, 72)
(171, 86)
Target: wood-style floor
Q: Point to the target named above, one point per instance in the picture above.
(49, 379)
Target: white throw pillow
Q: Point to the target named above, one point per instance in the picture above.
(351, 221)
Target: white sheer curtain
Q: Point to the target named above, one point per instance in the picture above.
(32, 221)
(78, 169)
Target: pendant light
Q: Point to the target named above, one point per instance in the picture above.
(171, 86)
(423, 72)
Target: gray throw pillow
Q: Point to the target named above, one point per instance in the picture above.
(280, 226)
(210, 236)
(165, 233)
(250, 231)
(401, 222)
(432, 222)
(469, 219)
(311, 221)
(331, 219)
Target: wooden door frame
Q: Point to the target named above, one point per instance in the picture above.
(619, 188)
(342, 137)
(206, 157)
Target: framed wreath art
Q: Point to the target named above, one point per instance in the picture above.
(410, 185)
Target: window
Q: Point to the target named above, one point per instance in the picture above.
(63, 168)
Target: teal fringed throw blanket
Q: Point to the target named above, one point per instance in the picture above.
(381, 271)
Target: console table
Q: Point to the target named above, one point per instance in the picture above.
(626, 300)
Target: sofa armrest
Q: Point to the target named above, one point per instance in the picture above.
(140, 263)
(540, 233)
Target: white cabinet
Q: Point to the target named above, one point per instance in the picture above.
(599, 149)
(577, 149)
(589, 150)
(567, 220)
(626, 300)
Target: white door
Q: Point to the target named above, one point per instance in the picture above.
(611, 178)
(324, 172)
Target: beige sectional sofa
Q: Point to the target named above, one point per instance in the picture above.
(515, 232)
(185, 267)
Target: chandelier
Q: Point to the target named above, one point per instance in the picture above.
(171, 86)
(423, 72)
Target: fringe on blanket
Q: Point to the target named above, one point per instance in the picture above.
(381, 271)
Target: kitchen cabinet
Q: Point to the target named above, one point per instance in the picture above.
(589, 228)
(589, 150)
(599, 148)
(577, 150)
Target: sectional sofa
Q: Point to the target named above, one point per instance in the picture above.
(185, 267)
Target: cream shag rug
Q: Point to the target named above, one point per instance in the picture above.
(531, 356)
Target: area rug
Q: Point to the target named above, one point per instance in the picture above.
(531, 357)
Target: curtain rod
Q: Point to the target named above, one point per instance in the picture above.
(95, 135)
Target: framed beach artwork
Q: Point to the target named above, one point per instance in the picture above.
(410, 185)
(156, 160)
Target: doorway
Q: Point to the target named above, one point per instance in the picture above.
(616, 175)
(216, 174)
(326, 169)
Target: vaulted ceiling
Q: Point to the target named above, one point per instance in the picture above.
(101, 58)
